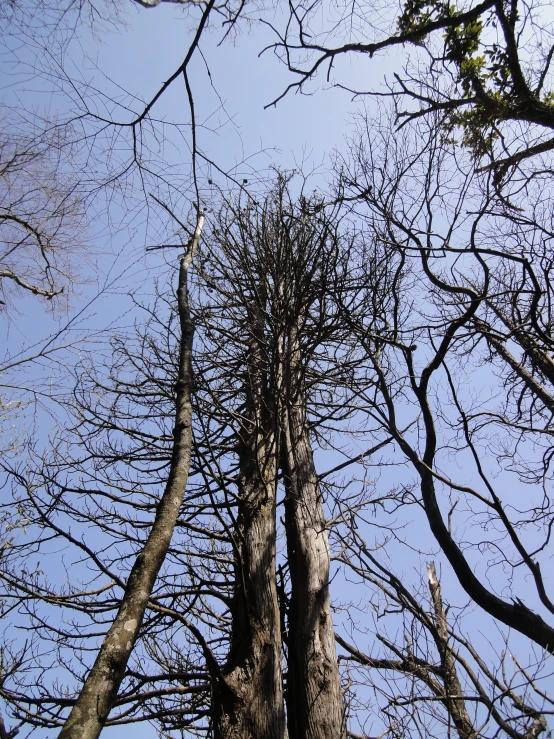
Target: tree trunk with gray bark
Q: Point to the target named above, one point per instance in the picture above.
(99, 692)
(314, 698)
(251, 706)
(454, 693)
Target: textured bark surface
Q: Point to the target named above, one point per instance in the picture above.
(314, 699)
(99, 692)
(454, 694)
(251, 705)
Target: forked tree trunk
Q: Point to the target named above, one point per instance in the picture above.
(314, 699)
(251, 705)
(99, 692)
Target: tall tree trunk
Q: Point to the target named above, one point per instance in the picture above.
(251, 706)
(314, 698)
(99, 692)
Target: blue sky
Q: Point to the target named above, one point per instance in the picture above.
(138, 56)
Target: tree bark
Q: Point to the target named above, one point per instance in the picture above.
(99, 692)
(453, 691)
(314, 699)
(251, 706)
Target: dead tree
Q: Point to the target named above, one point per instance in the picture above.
(238, 389)
(99, 692)
(302, 326)
(288, 251)
(425, 670)
(315, 705)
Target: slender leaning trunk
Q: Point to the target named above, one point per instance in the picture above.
(99, 692)
(314, 699)
(251, 706)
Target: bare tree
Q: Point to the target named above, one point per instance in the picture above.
(432, 678)
(95, 701)
(42, 213)
(279, 260)
(305, 325)
(238, 453)
(237, 394)
(464, 268)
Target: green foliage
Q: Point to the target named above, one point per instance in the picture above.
(462, 41)
(479, 130)
(482, 70)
